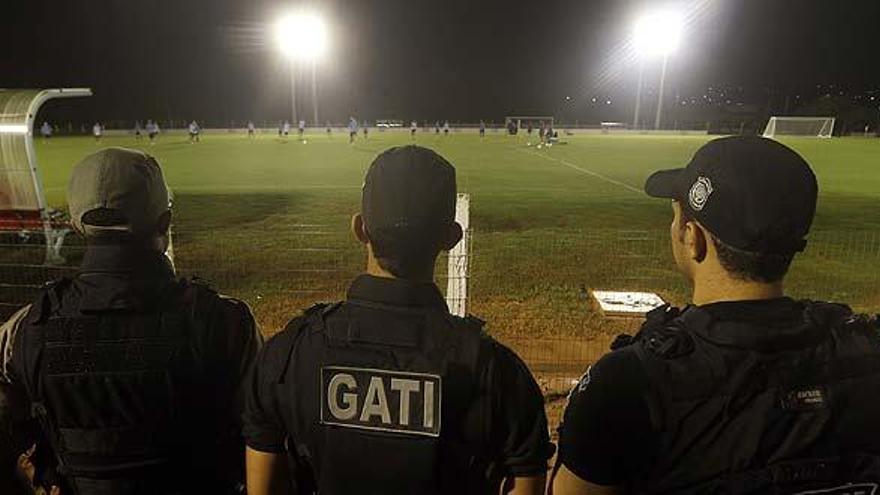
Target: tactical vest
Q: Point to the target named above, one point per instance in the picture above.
(111, 389)
(797, 414)
(380, 397)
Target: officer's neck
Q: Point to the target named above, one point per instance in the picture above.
(720, 287)
(375, 269)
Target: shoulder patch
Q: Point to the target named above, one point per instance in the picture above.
(847, 489)
(585, 380)
(381, 400)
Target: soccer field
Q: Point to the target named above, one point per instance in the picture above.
(267, 221)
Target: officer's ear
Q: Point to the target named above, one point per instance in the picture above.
(696, 239)
(359, 229)
(453, 236)
(164, 223)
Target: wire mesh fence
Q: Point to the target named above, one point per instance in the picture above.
(532, 287)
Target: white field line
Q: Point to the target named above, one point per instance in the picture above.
(586, 171)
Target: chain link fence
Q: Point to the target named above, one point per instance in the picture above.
(532, 287)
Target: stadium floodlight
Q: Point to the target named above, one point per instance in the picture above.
(656, 34)
(302, 37)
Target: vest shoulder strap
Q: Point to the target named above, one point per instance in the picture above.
(664, 334)
(472, 333)
(48, 302)
(312, 318)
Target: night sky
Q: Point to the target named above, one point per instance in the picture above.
(461, 60)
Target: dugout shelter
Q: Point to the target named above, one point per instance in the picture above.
(24, 211)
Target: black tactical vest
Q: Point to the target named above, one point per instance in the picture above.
(793, 414)
(112, 389)
(381, 396)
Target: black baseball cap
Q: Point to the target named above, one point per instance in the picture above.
(409, 196)
(753, 193)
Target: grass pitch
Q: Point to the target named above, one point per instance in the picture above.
(267, 221)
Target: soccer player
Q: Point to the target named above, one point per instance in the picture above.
(366, 129)
(352, 129)
(251, 130)
(301, 130)
(97, 131)
(529, 130)
(152, 131)
(446, 128)
(193, 132)
(285, 130)
(329, 130)
(46, 131)
(482, 129)
(137, 130)
(437, 127)
(550, 136)
(413, 127)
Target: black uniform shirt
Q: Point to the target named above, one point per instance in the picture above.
(121, 277)
(519, 431)
(607, 437)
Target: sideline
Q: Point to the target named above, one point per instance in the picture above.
(586, 171)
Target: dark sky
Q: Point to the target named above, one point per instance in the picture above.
(424, 59)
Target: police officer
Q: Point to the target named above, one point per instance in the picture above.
(133, 375)
(387, 392)
(745, 390)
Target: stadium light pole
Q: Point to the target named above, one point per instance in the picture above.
(302, 37)
(639, 94)
(656, 34)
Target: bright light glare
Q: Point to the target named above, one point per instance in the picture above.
(658, 33)
(13, 129)
(301, 36)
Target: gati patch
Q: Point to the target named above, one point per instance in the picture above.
(848, 489)
(381, 400)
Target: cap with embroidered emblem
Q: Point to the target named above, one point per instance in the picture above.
(754, 194)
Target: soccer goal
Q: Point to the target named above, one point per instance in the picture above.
(822, 127)
(522, 122)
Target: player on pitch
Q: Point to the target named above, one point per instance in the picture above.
(746, 390)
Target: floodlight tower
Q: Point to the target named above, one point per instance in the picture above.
(656, 34)
(302, 37)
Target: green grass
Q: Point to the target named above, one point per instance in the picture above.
(267, 221)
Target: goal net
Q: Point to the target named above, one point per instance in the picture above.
(822, 127)
(522, 122)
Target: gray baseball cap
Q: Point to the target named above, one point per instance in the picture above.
(126, 181)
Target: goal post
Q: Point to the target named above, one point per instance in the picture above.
(822, 127)
(457, 266)
(522, 121)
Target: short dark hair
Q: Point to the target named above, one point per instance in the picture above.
(754, 267)
(405, 254)
(748, 265)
